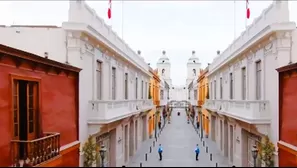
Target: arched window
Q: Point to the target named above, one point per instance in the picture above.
(163, 72)
(194, 72)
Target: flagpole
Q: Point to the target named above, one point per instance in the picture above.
(246, 8)
(122, 19)
(234, 20)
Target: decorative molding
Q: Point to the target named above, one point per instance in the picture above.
(250, 58)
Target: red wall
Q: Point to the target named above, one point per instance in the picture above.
(58, 106)
(71, 159)
(288, 117)
(286, 159)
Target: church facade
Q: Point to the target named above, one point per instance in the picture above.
(181, 92)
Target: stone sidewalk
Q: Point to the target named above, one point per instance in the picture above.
(179, 140)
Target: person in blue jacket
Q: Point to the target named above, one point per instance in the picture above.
(197, 151)
(160, 151)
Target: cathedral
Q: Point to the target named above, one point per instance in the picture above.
(193, 69)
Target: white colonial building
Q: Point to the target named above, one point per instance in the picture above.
(193, 72)
(243, 82)
(113, 83)
(164, 67)
(193, 68)
(164, 92)
(193, 92)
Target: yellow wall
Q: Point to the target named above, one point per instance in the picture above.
(155, 93)
(203, 89)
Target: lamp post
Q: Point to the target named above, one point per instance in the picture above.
(102, 154)
(255, 154)
(156, 120)
(201, 125)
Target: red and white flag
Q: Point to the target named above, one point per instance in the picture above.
(248, 12)
(109, 10)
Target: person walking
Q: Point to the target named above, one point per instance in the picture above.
(197, 151)
(160, 151)
(197, 122)
(159, 124)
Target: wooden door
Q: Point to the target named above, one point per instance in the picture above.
(31, 110)
(15, 95)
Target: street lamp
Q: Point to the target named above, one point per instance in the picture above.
(156, 120)
(102, 154)
(201, 125)
(255, 154)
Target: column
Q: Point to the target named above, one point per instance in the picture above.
(207, 127)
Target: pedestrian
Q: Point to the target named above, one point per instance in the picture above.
(160, 151)
(159, 124)
(197, 122)
(197, 151)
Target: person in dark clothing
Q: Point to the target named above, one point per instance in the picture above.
(197, 151)
(159, 125)
(160, 151)
(197, 122)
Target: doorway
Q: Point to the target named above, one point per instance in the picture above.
(226, 146)
(221, 135)
(131, 138)
(126, 143)
(213, 129)
(25, 108)
(231, 143)
(136, 135)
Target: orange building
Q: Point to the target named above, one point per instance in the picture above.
(287, 145)
(154, 91)
(39, 111)
(202, 96)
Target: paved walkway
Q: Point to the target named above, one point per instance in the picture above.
(179, 140)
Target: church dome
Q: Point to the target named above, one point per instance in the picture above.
(163, 59)
(193, 59)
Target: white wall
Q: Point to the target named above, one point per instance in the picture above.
(257, 43)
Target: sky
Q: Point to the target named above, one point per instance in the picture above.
(178, 27)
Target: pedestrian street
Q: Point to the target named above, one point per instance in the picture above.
(178, 140)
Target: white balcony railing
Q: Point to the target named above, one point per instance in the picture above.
(109, 111)
(163, 102)
(245, 110)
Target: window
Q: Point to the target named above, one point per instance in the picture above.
(221, 88)
(126, 86)
(99, 79)
(162, 94)
(195, 94)
(25, 109)
(142, 89)
(211, 96)
(258, 80)
(243, 74)
(136, 88)
(231, 86)
(215, 89)
(113, 83)
(146, 91)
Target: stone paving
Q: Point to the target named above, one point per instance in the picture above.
(179, 140)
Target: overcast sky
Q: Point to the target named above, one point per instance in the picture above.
(152, 26)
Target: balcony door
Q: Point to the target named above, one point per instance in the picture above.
(25, 100)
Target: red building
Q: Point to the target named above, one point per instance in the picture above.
(38, 111)
(287, 116)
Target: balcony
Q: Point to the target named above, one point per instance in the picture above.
(34, 152)
(200, 103)
(163, 102)
(157, 102)
(103, 112)
(252, 112)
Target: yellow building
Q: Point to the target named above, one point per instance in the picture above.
(203, 95)
(154, 93)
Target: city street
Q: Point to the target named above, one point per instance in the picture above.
(179, 140)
